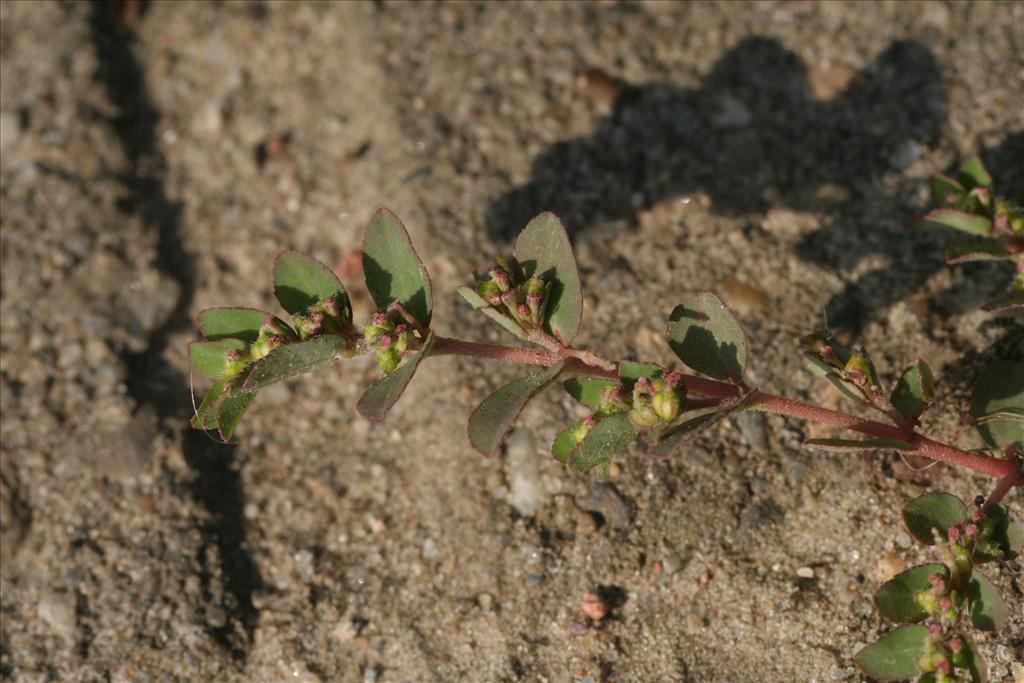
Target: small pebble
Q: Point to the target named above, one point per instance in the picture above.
(586, 522)
(805, 573)
(888, 566)
(595, 607)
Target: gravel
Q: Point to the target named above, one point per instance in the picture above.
(152, 165)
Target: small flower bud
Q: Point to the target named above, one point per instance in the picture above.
(535, 285)
(388, 360)
(386, 341)
(971, 530)
(275, 326)
(501, 279)
(667, 404)
(928, 601)
(524, 311)
(935, 631)
(954, 534)
(978, 515)
(955, 645)
(938, 583)
(533, 301)
(674, 380)
(945, 667)
(946, 604)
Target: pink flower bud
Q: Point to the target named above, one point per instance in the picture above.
(971, 530)
(590, 421)
(234, 355)
(523, 310)
(938, 583)
(978, 515)
(935, 630)
(380, 320)
(945, 666)
(954, 534)
(946, 604)
(674, 380)
(386, 341)
(955, 645)
(401, 328)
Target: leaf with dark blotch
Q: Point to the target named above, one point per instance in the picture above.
(1005, 540)
(894, 656)
(977, 251)
(678, 434)
(974, 174)
(300, 282)
(232, 408)
(543, 248)
(705, 335)
(997, 404)
(1000, 305)
(565, 443)
(478, 303)
(856, 445)
(232, 323)
(630, 372)
(377, 400)
(392, 269)
(211, 357)
(897, 600)
(494, 417)
(608, 438)
(588, 391)
(958, 220)
(946, 191)
(988, 611)
(930, 516)
(915, 391)
(294, 359)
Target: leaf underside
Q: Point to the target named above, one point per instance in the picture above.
(294, 359)
(377, 400)
(915, 390)
(494, 417)
(988, 611)
(998, 404)
(958, 220)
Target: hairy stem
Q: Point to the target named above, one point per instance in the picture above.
(769, 403)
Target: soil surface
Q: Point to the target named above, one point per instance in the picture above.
(155, 157)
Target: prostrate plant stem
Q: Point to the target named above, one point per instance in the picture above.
(763, 401)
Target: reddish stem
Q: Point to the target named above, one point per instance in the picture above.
(927, 448)
(1005, 485)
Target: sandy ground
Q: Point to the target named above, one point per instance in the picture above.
(153, 164)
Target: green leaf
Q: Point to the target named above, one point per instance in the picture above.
(974, 174)
(705, 335)
(915, 391)
(609, 437)
(232, 408)
(974, 664)
(206, 413)
(998, 404)
(543, 248)
(565, 443)
(294, 359)
(492, 419)
(301, 282)
(958, 220)
(377, 400)
(1005, 540)
(587, 391)
(896, 598)
(678, 434)
(630, 372)
(478, 303)
(988, 611)
(977, 251)
(931, 515)
(211, 357)
(392, 269)
(894, 657)
(845, 445)
(232, 323)
(943, 187)
(223, 407)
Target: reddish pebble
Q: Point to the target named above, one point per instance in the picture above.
(595, 607)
